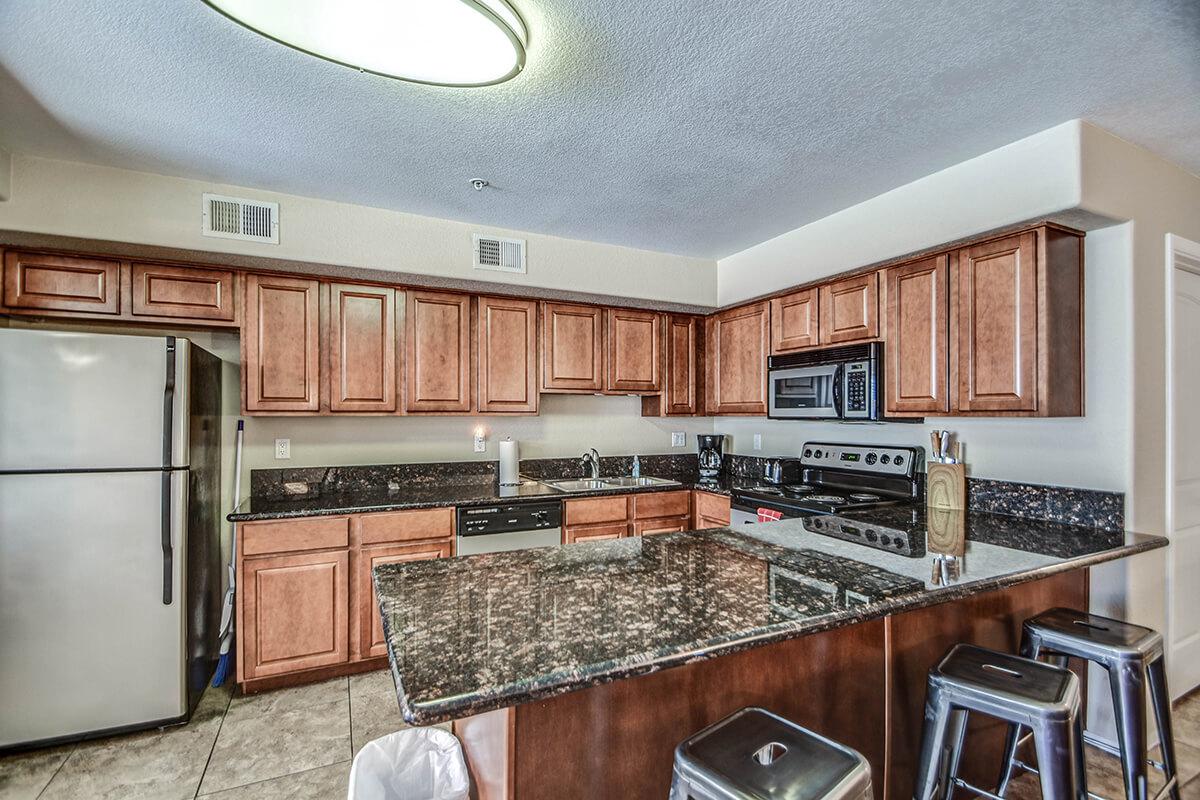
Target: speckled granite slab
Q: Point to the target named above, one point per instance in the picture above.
(467, 635)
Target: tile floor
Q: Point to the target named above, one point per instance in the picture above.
(296, 744)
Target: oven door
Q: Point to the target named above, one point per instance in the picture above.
(805, 392)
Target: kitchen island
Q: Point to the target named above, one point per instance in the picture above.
(574, 671)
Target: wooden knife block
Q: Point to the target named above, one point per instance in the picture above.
(946, 486)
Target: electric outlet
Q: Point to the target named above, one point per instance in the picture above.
(678, 439)
(283, 448)
(480, 443)
(758, 441)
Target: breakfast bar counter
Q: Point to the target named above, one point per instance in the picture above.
(574, 670)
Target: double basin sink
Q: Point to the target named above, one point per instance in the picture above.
(598, 484)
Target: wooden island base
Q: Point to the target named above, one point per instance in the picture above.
(863, 685)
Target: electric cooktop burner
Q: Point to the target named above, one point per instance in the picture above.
(864, 497)
(799, 489)
(825, 498)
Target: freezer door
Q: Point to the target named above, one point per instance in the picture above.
(88, 643)
(91, 401)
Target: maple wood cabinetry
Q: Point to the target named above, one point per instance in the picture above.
(709, 510)
(572, 348)
(43, 282)
(634, 351)
(794, 321)
(994, 329)
(362, 348)
(850, 309)
(661, 512)
(437, 339)
(281, 344)
(683, 387)
(916, 372)
(307, 601)
(162, 290)
(595, 518)
(736, 344)
(508, 355)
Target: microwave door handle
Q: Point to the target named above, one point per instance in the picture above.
(837, 391)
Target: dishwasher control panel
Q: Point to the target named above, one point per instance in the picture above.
(508, 518)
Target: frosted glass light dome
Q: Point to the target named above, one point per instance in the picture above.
(444, 42)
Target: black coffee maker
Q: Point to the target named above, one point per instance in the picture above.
(710, 456)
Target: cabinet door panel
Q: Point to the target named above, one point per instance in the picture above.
(159, 290)
(794, 319)
(594, 533)
(736, 356)
(437, 337)
(850, 309)
(917, 332)
(405, 526)
(995, 313)
(649, 527)
(371, 641)
(682, 363)
(62, 283)
(634, 351)
(655, 505)
(508, 355)
(572, 348)
(281, 344)
(710, 510)
(362, 348)
(598, 509)
(294, 612)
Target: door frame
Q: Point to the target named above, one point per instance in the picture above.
(1182, 254)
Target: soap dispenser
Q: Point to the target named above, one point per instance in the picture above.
(637, 468)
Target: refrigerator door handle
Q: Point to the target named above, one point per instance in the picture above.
(168, 430)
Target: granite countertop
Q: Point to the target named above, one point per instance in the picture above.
(431, 495)
(471, 634)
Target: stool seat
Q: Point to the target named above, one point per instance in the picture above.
(756, 755)
(1005, 685)
(1077, 633)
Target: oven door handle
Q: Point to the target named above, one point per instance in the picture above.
(837, 391)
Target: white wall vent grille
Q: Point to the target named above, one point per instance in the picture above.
(246, 220)
(498, 253)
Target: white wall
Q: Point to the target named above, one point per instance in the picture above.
(83, 200)
(1034, 177)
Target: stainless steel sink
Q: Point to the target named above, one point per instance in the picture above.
(585, 485)
(643, 481)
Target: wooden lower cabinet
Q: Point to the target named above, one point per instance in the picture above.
(369, 623)
(306, 606)
(595, 533)
(709, 510)
(647, 527)
(597, 518)
(293, 612)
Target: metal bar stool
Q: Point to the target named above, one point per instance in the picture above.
(1020, 691)
(1133, 656)
(755, 755)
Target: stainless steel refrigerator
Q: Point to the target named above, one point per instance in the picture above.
(109, 532)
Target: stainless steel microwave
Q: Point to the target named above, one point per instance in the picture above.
(827, 383)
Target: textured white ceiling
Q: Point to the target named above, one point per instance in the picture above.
(691, 127)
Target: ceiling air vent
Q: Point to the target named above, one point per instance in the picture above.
(500, 254)
(235, 218)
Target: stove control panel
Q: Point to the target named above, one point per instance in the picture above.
(861, 458)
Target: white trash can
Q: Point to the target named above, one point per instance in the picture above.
(412, 764)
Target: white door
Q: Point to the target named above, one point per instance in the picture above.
(1183, 588)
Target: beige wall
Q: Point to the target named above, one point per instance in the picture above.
(83, 200)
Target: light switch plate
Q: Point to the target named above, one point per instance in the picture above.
(678, 439)
(283, 448)
(758, 441)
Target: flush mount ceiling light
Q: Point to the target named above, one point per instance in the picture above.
(441, 42)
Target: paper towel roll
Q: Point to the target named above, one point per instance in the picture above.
(510, 463)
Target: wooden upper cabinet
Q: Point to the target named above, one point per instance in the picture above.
(736, 348)
(634, 351)
(507, 355)
(362, 348)
(794, 320)
(572, 348)
(437, 340)
(281, 344)
(62, 283)
(682, 383)
(294, 613)
(918, 328)
(160, 290)
(995, 313)
(850, 309)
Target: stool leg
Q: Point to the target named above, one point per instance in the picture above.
(1031, 647)
(1129, 704)
(1156, 676)
(1058, 759)
(679, 787)
(956, 733)
(933, 738)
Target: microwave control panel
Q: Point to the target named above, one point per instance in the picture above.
(857, 390)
